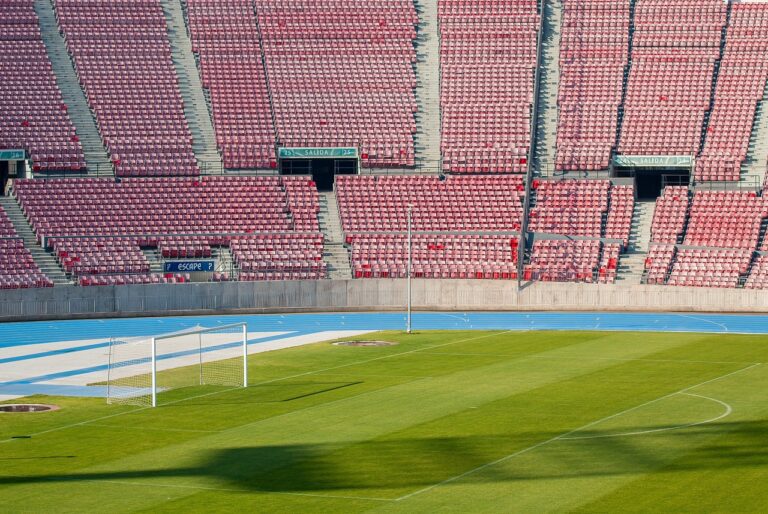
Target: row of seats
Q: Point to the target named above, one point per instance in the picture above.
(458, 203)
(33, 115)
(564, 260)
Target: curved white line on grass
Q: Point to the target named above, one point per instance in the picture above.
(727, 412)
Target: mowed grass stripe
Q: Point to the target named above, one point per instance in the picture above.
(390, 436)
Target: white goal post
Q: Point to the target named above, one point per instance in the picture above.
(140, 368)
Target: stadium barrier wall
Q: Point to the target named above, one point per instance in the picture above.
(365, 295)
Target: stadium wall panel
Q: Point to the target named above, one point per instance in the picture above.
(365, 295)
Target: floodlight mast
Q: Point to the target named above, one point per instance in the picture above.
(410, 267)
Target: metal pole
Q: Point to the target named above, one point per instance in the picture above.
(410, 264)
(154, 372)
(245, 355)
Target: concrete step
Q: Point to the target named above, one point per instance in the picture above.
(335, 254)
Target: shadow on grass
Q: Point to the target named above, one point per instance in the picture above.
(407, 464)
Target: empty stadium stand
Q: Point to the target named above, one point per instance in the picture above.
(99, 226)
(225, 37)
(342, 77)
(465, 227)
(33, 115)
(590, 208)
(121, 53)
(488, 61)
(633, 78)
(740, 86)
(675, 47)
(709, 238)
(594, 53)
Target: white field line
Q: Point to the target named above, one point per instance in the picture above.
(727, 412)
(73, 425)
(566, 434)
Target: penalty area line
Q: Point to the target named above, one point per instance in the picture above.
(565, 435)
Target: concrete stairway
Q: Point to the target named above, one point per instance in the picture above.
(196, 108)
(632, 264)
(427, 137)
(154, 259)
(335, 253)
(753, 168)
(225, 262)
(96, 158)
(546, 125)
(45, 261)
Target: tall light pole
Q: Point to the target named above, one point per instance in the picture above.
(410, 268)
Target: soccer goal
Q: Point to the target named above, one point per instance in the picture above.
(141, 368)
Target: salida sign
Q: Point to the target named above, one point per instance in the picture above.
(190, 267)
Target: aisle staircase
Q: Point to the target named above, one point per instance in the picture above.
(632, 263)
(335, 253)
(753, 168)
(427, 137)
(549, 85)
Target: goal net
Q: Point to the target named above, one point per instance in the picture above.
(140, 369)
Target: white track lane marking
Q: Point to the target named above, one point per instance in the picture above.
(725, 329)
(566, 434)
(727, 412)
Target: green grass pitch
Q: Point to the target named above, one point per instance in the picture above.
(441, 422)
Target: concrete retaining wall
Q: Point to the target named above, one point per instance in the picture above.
(361, 295)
